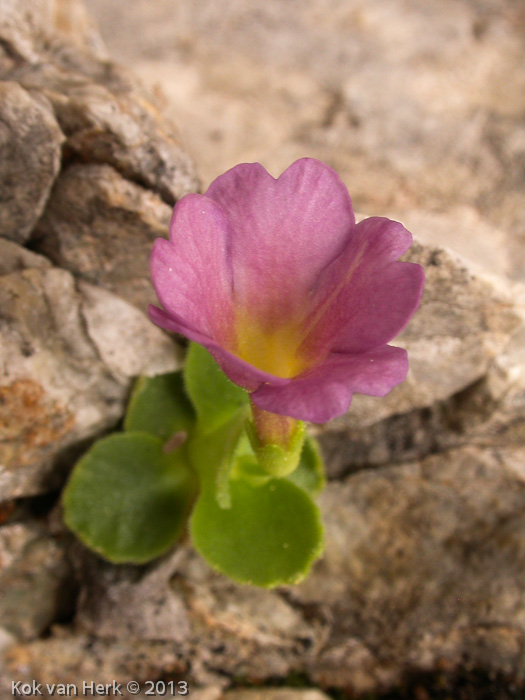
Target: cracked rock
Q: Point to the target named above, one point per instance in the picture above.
(36, 580)
(101, 227)
(56, 390)
(423, 570)
(30, 151)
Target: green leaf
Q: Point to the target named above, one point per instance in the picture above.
(128, 500)
(310, 474)
(159, 405)
(213, 395)
(269, 536)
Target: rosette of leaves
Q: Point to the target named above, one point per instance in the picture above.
(184, 462)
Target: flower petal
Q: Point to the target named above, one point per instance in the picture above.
(365, 298)
(326, 391)
(192, 272)
(285, 232)
(240, 372)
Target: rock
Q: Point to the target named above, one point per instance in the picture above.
(411, 122)
(55, 72)
(129, 133)
(488, 412)
(423, 570)
(69, 350)
(30, 150)
(129, 601)
(216, 623)
(36, 581)
(14, 257)
(107, 116)
(129, 346)
(66, 658)
(275, 694)
(55, 386)
(29, 27)
(421, 555)
(453, 230)
(101, 227)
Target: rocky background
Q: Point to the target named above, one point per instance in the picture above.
(419, 105)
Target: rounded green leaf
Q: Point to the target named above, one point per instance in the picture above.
(128, 500)
(159, 405)
(269, 536)
(213, 395)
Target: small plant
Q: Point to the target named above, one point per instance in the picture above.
(290, 305)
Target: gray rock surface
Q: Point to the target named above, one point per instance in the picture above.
(101, 227)
(412, 119)
(487, 412)
(275, 694)
(30, 151)
(36, 580)
(30, 28)
(14, 257)
(67, 359)
(424, 565)
(423, 569)
(70, 350)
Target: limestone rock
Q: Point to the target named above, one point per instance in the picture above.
(423, 570)
(66, 658)
(30, 150)
(36, 580)
(131, 344)
(107, 116)
(129, 601)
(55, 386)
(53, 60)
(14, 257)
(69, 351)
(125, 130)
(101, 227)
(216, 623)
(275, 694)
(29, 27)
(488, 412)
(410, 121)
(424, 565)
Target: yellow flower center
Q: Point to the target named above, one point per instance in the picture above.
(272, 350)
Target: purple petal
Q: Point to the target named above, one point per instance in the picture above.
(365, 298)
(192, 272)
(285, 232)
(325, 392)
(240, 372)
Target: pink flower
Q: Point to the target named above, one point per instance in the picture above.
(295, 301)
